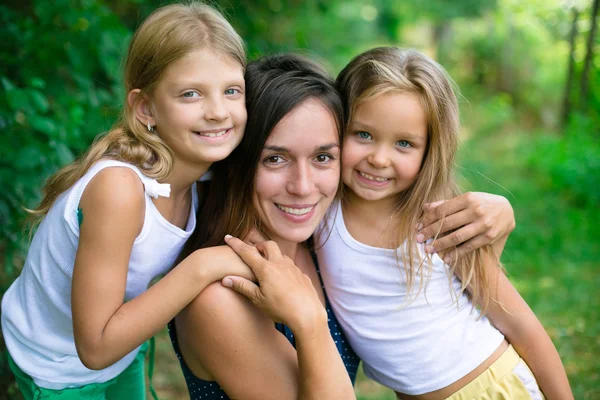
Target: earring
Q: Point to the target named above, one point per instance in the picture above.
(150, 127)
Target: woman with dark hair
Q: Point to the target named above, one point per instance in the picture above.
(280, 180)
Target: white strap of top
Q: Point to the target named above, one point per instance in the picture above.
(155, 189)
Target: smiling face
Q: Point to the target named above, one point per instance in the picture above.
(198, 107)
(298, 173)
(384, 146)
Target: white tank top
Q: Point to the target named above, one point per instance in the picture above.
(36, 310)
(413, 349)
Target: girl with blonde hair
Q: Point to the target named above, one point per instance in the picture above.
(74, 320)
(428, 326)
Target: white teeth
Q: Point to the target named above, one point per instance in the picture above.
(373, 178)
(211, 135)
(295, 211)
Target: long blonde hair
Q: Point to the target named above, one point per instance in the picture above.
(385, 69)
(168, 34)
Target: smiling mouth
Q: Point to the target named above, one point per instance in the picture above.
(212, 134)
(295, 211)
(373, 178)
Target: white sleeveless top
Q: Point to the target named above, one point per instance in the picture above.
(36, 310)
(411, 348)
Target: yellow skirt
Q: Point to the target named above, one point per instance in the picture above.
(508, 378)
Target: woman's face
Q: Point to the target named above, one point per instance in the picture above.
(298, 173)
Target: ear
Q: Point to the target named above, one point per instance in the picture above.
(140, 105)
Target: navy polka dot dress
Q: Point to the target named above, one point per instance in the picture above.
(209, 390)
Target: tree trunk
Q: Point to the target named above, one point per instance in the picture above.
(566, 110)
(589, 57)
(441, 39)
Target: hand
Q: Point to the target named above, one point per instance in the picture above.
(479, 219)
(285, 294)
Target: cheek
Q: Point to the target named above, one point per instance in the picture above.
(350, 155)
(268, 184)
(240, 114)
(329, 181)
(409, 167)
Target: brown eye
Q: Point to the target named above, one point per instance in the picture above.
(323, 158)
(274, 160)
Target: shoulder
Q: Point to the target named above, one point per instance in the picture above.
(219, 303)
(115, 192)
(119, 186)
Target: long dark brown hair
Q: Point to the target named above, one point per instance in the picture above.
(275, 85)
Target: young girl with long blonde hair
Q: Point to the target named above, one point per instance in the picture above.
(74, 320)
(426, 328)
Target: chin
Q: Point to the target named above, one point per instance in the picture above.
(296, 235)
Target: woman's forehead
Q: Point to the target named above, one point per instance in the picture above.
(309, 125)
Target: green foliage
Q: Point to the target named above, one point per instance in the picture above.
(572, 163)
(59, 88)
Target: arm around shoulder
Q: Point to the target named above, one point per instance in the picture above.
(106, 329)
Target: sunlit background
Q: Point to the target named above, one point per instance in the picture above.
(528, 72)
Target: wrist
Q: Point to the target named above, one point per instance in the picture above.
(202, 267)
(310, 324)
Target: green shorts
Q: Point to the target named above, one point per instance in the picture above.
(128, 385)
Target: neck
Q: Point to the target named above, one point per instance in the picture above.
(183, 176)
(378, 210)
(290, 249)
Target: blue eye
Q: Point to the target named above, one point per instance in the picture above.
(364, 135)
(403, 143)
(191, 94)
(231, 91)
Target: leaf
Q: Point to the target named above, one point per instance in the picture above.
(37, 83)
(65, 155)
(8, 86)
(42, 124)
(39, 101)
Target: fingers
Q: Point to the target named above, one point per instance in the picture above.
(249, 254)
(242, 286)
(460, 237)
(255, 237)
(270, 250)
(429, 206)
(445, 224)
(466, 248)
(437, 210)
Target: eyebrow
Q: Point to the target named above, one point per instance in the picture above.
(194, 83)
(357, 125)
(281, 149)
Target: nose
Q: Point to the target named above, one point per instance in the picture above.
(215, 109)
(379, 158)
(300, 181)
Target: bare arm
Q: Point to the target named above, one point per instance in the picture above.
(525, 332)
(479, 219)
(226, 337)
(105, 328)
